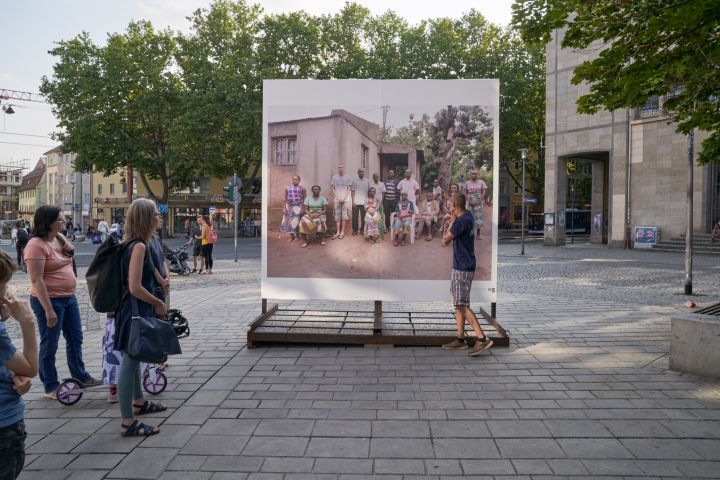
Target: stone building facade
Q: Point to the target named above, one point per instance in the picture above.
(648, 190)
(67, 189)
(32, 192)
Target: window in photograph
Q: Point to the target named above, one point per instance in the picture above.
(365, 154)
(112, 188)
(100, 191)
(124, 187)
(291, 151)
(518, 190)
(285, 150)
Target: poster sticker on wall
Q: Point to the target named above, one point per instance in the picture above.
(356, 184)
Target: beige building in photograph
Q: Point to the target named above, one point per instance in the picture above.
(313, 148)
(639, 163)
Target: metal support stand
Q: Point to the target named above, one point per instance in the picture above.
(358, 327)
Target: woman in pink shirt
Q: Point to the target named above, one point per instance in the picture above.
(48, 256)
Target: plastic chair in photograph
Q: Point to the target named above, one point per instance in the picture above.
(412, 228)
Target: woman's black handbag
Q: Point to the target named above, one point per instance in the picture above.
(150, 339)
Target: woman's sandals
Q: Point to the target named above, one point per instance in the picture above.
(148, 407)
(137, 429)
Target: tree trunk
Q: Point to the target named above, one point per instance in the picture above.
(152, 194)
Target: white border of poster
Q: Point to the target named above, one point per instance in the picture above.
(377, 92)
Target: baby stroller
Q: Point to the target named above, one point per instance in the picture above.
(154, 381)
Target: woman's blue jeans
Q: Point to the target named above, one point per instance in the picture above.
(70, 324)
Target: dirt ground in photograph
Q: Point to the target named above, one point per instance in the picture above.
(353, 257)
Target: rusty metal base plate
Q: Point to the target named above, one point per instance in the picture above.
(350, 327)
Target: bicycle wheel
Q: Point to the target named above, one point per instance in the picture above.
(154, 383)
(70, 392)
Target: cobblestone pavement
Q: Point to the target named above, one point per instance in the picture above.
(583, 391)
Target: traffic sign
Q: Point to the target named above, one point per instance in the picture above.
(213, 209)
(162, 207)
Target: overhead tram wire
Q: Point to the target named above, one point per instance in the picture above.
(26, 135)
(28, 144)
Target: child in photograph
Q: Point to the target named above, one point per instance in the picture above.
(403, 219)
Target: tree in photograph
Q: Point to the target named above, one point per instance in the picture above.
(645, 47)
(118, 105)
(456, 139)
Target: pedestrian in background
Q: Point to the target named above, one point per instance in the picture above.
(195, 234)
(462, 226)
(49, 260)
(208, 243)
(23, 237)
(13, 234)
(17, 367)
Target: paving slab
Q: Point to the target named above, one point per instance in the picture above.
(584, 390)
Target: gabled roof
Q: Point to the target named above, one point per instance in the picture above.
(57, 149)
(32, 179)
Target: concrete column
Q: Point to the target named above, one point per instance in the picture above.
(555, 197)
(598, 229)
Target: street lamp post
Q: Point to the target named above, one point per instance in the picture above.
(523, 156)
(689, 227)
(572, 206)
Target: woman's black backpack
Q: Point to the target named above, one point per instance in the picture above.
(105, 277)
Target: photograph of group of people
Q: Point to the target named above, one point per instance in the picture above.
(372, 208)
(365, 192)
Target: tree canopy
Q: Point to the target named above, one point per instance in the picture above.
(667, 48)
(178, 106)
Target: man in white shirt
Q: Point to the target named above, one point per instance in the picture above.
(104, 229)
(379, 188)
(341, 184)
(360, 187)
(410, 186)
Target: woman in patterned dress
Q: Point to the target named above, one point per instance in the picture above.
(314, 221)
(292, 212)
(475, 193)
(373, 217)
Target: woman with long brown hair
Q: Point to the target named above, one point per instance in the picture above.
(142, 220)
(49, 259)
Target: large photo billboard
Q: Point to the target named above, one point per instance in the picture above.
(357, 181)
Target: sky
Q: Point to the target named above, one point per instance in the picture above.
(31, 27)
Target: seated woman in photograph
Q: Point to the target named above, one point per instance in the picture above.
(373, 217)
(429, 211)
(314, 220)
(446, 208)
(293, 209)
(403, 219)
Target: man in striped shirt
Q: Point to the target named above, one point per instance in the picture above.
(390, 198)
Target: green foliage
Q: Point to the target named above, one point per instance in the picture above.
(647, 47)
(221, 122)
(179, 106)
